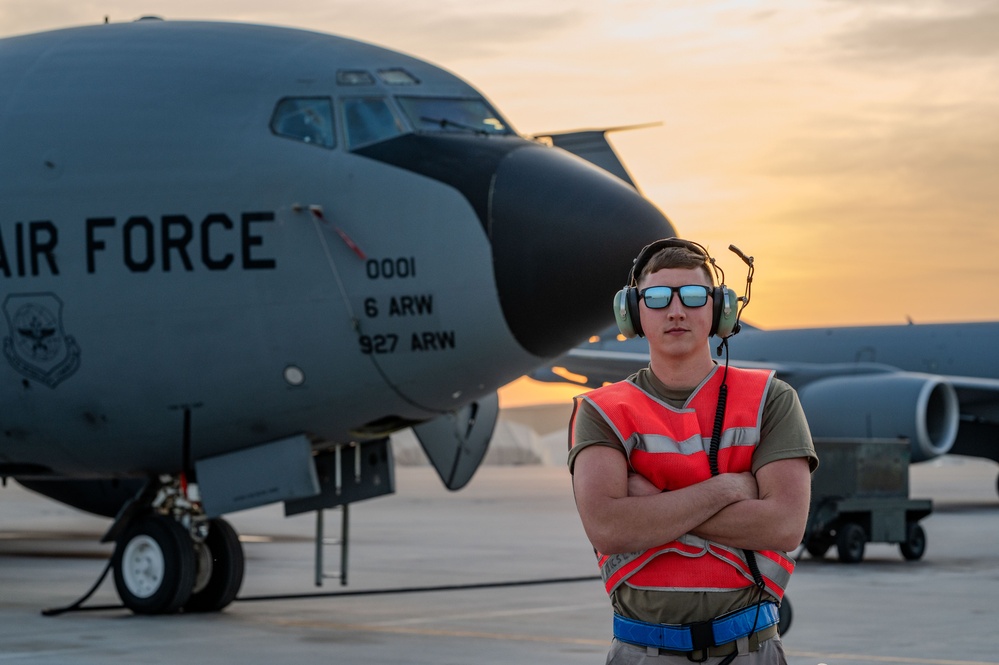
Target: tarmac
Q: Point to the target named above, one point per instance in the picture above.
(512, 526)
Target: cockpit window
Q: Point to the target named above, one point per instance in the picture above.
(446, 114)
(354, 77)
(369, 120)
(305, 119)
(397, 76)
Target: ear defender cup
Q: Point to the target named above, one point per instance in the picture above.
(717, 307)
(726, 314)
(626, 314)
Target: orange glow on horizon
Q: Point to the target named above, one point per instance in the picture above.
(525, 391)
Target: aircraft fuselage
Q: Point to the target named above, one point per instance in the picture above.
(238, 233)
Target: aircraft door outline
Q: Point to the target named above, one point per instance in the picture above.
(323, 226)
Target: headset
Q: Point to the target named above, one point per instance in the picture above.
(726, 305)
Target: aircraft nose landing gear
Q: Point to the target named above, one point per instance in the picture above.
(174, 559)
(154, 566)
(219, 565)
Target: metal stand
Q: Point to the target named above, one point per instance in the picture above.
(322, 542)
(347, 473)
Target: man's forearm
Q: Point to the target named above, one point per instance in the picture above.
(775, 521)
(616, 522)
(754, 524)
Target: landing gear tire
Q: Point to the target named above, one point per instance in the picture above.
(154, 566)
(220, 564)
(850, 541)
(915, 542)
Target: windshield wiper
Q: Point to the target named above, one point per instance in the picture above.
(444, 123)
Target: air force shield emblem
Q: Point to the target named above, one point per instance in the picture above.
(36, 345)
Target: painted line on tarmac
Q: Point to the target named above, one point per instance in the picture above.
(491, 614)
(23, 655)
(443, 632)
(867, 658)
(605, 642)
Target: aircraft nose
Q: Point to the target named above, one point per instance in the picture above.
(564, 234)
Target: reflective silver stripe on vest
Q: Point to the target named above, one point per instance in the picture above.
(660, 443)
(615, 562)
(770, 569)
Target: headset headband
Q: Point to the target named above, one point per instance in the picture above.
(652, 248)
(726, 305)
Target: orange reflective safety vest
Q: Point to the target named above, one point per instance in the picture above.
(669, 447)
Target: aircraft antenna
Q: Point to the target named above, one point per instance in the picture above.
(355, 322)
(317, 213)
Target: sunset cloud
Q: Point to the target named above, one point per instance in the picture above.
(844, 143)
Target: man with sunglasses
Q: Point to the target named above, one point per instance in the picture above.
(691, 479)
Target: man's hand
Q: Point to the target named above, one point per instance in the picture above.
(746, 483)
(616, 521)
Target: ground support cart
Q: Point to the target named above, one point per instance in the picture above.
(860, 494)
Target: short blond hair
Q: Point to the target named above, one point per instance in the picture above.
(676, 257)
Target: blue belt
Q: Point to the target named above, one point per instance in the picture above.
(697, 636)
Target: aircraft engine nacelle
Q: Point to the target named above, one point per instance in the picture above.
(919, 407)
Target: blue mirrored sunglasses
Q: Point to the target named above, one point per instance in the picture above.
(691, 295)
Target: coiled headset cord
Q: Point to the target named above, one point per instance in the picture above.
(713, 464)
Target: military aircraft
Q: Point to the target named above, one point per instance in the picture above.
(934, 384)
(236, 258)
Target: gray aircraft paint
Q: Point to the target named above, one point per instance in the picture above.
(142, 190)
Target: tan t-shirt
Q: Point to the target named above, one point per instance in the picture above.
(783, 435)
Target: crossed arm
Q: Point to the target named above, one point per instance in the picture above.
(622, 513)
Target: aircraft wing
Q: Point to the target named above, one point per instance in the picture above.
(938, 413)
(975, 391)
(595, 367)
(592, 367)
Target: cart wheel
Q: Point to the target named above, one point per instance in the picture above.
(818, 546)
(850, 540)
(915, 542)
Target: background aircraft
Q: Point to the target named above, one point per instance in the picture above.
(235, 258)
(934, 384)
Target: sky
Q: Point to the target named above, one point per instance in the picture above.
(850, 146)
